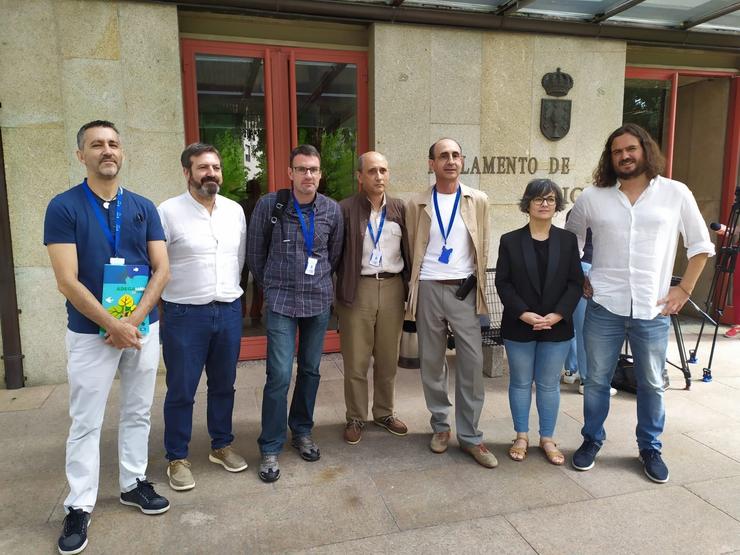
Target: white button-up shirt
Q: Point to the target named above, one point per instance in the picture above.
(206, 251)
(635, 245)
(389, 245)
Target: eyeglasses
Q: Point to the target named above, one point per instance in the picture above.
(303, 170)
(539, 201)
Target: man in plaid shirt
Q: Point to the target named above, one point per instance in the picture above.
(293, 260)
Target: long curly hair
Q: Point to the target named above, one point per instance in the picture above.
(604, 174)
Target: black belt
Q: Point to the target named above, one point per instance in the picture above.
(381, 275)
(450, 281)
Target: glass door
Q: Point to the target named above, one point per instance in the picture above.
(695, 117)
(255, 103)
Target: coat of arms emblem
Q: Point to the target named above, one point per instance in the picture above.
(555, 113)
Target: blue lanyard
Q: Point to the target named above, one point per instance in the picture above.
(380, 228)
(452, 216)
(114, 238)
(307, 232)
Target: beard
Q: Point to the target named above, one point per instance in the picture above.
(206, 187)
(639, 169)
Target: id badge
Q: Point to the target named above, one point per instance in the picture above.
(444, 258)
(375, 257)
(117, 261)
(311, 265)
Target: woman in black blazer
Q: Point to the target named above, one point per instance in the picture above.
(539, 280)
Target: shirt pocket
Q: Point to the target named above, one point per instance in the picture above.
(321, 235)
(137, 227)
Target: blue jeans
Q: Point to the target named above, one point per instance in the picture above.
(605, 333)
(576, 359)
(194, 336)
(539, 362)
(281, 335)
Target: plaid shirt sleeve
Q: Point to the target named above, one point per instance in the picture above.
(256, 248)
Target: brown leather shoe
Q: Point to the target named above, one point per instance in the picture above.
(439, 442)
(353, 432)
(393, 425)
(481, 455)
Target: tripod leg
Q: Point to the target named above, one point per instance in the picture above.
(681, 350)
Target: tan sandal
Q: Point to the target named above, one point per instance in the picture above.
(518, 453)
(553, 454)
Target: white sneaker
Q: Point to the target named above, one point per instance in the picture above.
(612, 391)
(570, 376)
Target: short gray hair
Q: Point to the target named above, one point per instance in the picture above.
(90, 125)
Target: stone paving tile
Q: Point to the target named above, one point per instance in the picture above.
(28, 538)
(381, 452)
(455, 492)
(484, 535)
(729, 381)
(719, 397)
(402, 480)
(29, 502)
(684, 413)
(723, 494)
(723, 440)
(665, 520)
(41, 423)
(24, 398)
(270, 521)
(619, 471)
(29, 455)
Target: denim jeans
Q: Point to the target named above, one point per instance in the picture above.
(576, 359)
(281, 335)
(539, 362)
(605, 333)
(194, 336)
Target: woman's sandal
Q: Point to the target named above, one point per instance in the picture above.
(516, 451)
(553, 454)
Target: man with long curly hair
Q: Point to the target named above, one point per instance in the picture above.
(635, 215)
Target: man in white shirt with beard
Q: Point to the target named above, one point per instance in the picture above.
(635, 215)
(206, 241)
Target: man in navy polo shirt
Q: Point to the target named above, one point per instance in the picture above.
(90, 225)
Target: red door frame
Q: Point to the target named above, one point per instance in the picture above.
(280, 119)
(732, 145)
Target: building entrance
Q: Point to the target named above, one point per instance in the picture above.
(255, 103)
(695, 117)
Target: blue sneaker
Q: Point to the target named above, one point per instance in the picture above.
(74, 534)
(145, 498)
(653, 464)
(585, 456)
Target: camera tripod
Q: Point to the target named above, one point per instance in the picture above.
(721, 286)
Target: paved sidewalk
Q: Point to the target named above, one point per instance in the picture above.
(391, 494)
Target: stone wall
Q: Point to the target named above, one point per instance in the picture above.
(484, 89)
(63, 63)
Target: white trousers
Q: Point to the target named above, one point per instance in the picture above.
(91, 367)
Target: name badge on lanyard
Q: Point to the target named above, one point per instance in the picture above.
(444, 257)
(376, 256)
(114, 237)
(308, 235)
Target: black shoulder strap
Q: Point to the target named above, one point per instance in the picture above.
(281, 203)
